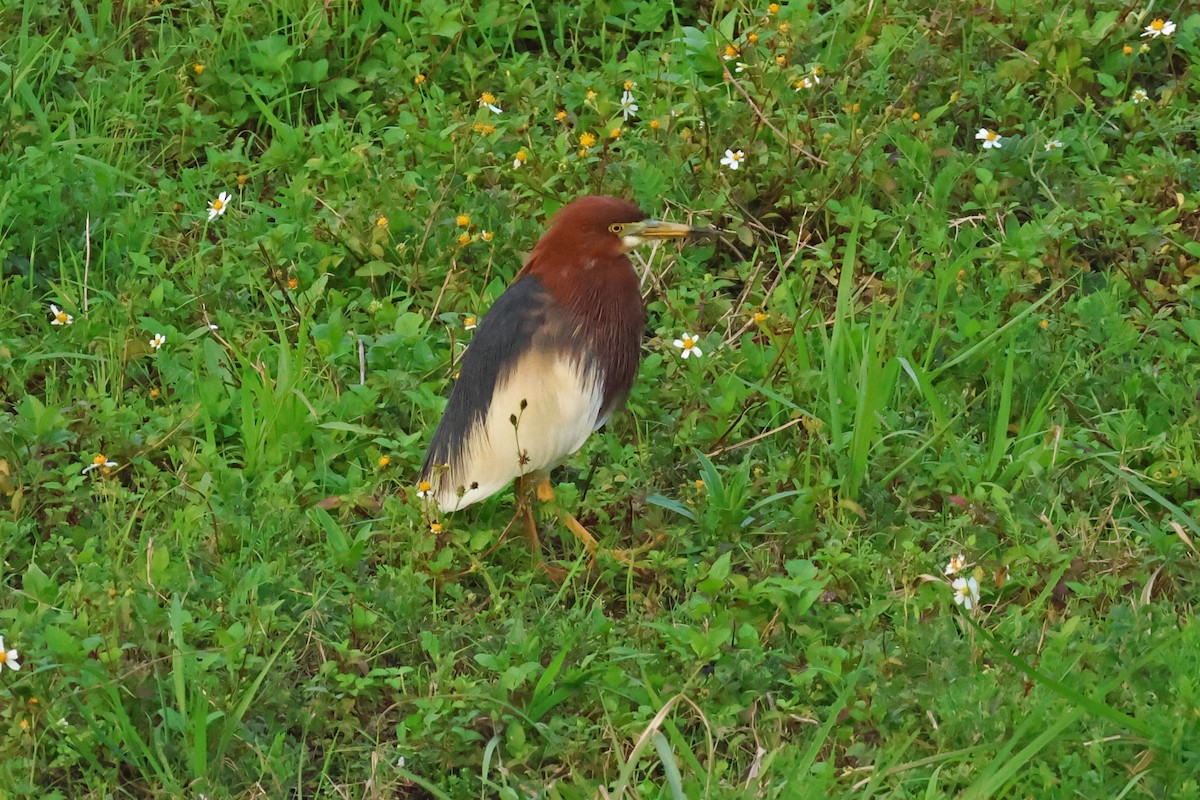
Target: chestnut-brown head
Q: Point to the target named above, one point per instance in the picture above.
(589, 238)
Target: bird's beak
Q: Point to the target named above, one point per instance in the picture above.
(657, 229)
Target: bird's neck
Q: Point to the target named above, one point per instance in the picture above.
(604, 302)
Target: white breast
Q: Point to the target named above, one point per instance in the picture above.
(562, 402)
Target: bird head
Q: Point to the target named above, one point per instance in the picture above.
(598, 229)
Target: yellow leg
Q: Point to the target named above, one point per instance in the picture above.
(545, 493)
(525, 509)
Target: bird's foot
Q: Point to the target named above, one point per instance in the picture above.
(627, 556)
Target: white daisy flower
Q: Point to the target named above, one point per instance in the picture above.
(989, 138)
(99, 462)
(1139, 96)
(687, 343)
(60, 317)
(218, 206)
(424, 489)
(966, 592)
(9, 657)
(733, 159)
(158, 341)
(1159, 27)
(629, 108)
(488, 101)
(956, 564)
(1053, 144)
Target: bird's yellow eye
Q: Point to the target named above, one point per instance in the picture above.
(616, 228)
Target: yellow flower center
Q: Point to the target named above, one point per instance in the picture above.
(730, 51)
(759, 317)
(61, 317)
(99, 459)
(384, 461)
(419, 79)
(615, 132)
(382, 222)
(629, 85)
(591, 94)
(1158, 24)
(1127, 50)
(992, 136)
(218, 204)
(198, 68)
(560, 116)
(462, 220)
(521, 156)
(464, 239)
(587, 139)
(487, 98)
(688, 343)
(435, 527)
(424, 486)
(487, 236)
(469, 321)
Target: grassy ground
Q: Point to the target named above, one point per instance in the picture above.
(915, 347)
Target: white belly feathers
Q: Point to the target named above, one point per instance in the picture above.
(562, 400)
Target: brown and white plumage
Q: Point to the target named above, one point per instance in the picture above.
(551, 360)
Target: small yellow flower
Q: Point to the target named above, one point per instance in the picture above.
(293, 283)
(760, 317)
(699, 484)
(654, 124)
(519, 159)
(484, 128)
(629, 85)
(462, 221)
(464, 239)
(488, 101)
(487, 236)
(614, 133)
(587, 139)
(916, 116)
(242, 180)
(198, 68)
(435, 527)
(381, 221)
(1044, 324)
(591, 94)
(384, 461)
(155, 393)
(855, 108)
(470, 322)
(773, 8)
(731, 52)
(1127, 50)
(781, 60)
(424, 489)
(560, 116)
(784, 27)
(420, 78)
(752, 38)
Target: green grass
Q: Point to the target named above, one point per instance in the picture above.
(914, 348)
